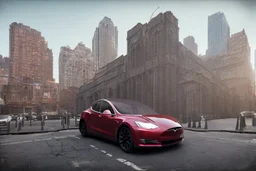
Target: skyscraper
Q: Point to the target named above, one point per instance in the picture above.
(30, 82)
(218, 34)
(75, 66)
(29, 54)
(65, 53)
(190, 43)
(105, 43)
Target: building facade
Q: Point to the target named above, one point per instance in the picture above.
(67, 100)
(105, 43)
(30, 82)
(218, 34)
(76, 66)
(189, 42)
(161, 73)
(235, 70)
(4, 71)
(29, 54)
(65, 53)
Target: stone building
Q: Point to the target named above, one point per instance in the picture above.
(189, 42)
(160, 72)
(68, 99)
(235, 70)
(4, 71)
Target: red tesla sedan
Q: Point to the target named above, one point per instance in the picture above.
(131, 124)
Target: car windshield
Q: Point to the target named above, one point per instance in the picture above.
(132, 107)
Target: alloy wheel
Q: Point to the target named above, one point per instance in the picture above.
(83, 129)
(125, 139)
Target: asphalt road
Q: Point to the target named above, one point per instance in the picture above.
(67, 150)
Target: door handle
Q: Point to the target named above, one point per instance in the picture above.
(99, 116)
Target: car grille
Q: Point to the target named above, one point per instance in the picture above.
(172, 131)
(171, 141)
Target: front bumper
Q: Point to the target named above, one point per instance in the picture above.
(157, 138)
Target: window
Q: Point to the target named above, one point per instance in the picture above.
(106, 106)
(96, 106)
(132, 107)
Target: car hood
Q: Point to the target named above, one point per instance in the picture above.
(163, 121)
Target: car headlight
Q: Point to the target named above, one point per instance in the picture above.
(146, 125)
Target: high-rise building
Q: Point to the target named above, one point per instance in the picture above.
(29, 54)
(189, 42)
(30, 83)
(65, 53)
(218, 34)
(105, 43)
(76, 66)
(235, 69)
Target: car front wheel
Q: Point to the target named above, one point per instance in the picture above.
(125, 140)
(83, 129)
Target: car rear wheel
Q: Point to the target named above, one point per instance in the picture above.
(125, 140)
(83, 129)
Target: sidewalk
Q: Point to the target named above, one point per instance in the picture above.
(227, 125)
(50, 125)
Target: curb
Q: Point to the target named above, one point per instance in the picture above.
(211, 130)
(36, 132)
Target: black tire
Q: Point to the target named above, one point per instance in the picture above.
(83, 129)
(125, 140)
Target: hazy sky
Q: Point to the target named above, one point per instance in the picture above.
(67, 22)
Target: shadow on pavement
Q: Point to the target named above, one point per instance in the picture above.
(156, 150)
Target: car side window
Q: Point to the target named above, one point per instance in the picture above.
(106, 106)
(96, 106)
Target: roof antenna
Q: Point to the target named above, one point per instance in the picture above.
(153, 13)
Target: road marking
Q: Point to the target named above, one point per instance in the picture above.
(127, 163)
(121, 160)
(36, 140)
(76, 137)
(96, 148)
(20, 142)
(109, 155)
(226, 139)
(133, 165)
(75, 164)
(46, 139)
(61, 137)
(253, 141)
